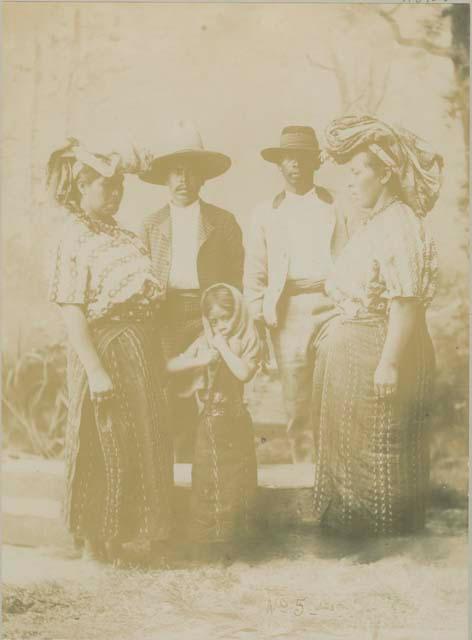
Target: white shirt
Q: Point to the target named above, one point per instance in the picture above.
(185, 223)
(308, 236)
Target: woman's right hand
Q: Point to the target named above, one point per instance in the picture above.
(100, 384)
(386, 379)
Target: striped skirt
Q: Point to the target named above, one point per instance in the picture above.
(119, 458)
(372, 454)
(224, 477)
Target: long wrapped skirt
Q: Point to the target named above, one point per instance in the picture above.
(372, 454)
(119, 458)
(224, 477)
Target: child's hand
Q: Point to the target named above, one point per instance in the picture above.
(208, 357)
(219, 342)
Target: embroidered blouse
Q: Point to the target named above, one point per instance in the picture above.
(389, 256)
(102, 267)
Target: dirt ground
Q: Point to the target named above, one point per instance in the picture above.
(293, 587)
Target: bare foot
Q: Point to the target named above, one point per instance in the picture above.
(113, 552)
(94, 550)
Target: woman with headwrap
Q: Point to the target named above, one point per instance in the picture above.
(119, 471)
(375, 364)
(215, 368)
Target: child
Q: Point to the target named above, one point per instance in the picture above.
(217, 364)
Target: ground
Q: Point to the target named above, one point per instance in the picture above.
(297, 586)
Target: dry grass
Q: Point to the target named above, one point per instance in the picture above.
(296, 587)
(34, 400)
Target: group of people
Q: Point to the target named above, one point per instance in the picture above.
(165, 329)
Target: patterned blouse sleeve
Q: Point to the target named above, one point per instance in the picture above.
(407, 258)
(69, 278)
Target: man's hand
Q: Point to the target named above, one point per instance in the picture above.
(265, 351)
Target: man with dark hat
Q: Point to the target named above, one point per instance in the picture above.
(193, 245)
(292, 241)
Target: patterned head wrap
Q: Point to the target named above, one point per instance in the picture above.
(418, 169)
(66, 163)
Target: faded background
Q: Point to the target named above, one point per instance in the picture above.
(114, 73)
(111, 73)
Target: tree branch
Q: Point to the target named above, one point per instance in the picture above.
(348, 107)
(376, 105)
(315, 63)
(393, 10)
(420, 43)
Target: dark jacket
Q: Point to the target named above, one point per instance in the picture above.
(220, 256)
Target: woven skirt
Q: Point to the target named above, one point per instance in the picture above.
(224, 477)
(119, 457)
(372, 454)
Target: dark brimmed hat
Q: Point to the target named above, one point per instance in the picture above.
(186, 144)
(293, 138)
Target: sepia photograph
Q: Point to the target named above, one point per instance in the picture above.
(235, 320)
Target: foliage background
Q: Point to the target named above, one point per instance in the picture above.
(123, 72)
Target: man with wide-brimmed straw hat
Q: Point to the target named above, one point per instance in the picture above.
(193, 245)
(292, 241)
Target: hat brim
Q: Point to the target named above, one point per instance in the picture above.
(276, 154)
(210, 164)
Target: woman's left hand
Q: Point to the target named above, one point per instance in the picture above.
(386, 380)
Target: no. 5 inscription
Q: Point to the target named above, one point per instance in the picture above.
(290, 606)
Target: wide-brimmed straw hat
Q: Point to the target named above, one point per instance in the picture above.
(293, 138)
(184, 144)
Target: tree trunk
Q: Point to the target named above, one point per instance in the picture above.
(75, 47)
(37, 76)
(460, 30)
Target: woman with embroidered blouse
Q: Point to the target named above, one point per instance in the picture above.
(375, 364)
(119, 460)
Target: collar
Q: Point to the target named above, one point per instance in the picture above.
(191, 209)
(319, 193)
(378, 209)
(296, 197)
(97, 225)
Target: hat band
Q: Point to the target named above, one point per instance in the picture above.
(187, 150)
(290, 140)
(300, 145)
